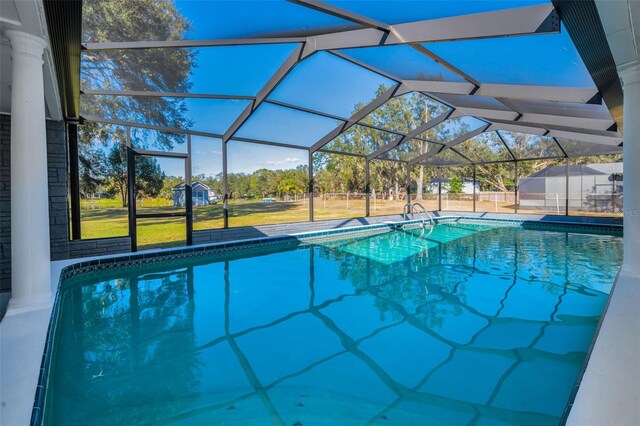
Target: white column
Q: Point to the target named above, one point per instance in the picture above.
(630, 76)
(30, 256)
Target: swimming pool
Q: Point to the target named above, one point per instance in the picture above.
(473, 322)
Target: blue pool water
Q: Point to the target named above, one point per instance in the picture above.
(466, 324)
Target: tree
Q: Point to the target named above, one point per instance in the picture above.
(400, 114)
(149, 177)
(165, 70)
(168, 183)
(162, 70)
(454, 186)
(92, 168)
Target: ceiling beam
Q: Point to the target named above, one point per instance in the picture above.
(125, 123)
(162, 44)
(507, 91)
(488, 114)
(445, 64)
(342, 14)
(164, 94)
(552, 119)
(549, 127)
(540, 93)
(539, 19)
(587, 135)
(135, 125)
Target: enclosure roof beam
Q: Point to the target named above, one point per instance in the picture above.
(454, 142)
(342, 14)
(505, 144)
(554, 118)
(488, 114)
(509, 91)
(266, 90)
(431, 88)
(348, 154)
(462, 155)
(444, 63)
(133, 124)
(580, 95)
(164, 94)
(560, 147)
(359, 115)
(365, 65)
(588, 135)
(539, 19)
(162, 44)
(483, 163)
(269, 143)
(118, 122)
(303, 109)
(411, 135)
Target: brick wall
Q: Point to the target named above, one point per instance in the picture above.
(58, 188)
(98, 247)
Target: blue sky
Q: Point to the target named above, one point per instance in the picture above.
(332, 85)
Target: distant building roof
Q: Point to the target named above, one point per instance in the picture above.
(574, 170)
(194, 186)
(608, 168)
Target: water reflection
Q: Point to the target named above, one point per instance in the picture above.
(479, 325)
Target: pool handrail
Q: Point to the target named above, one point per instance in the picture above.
(421, 213)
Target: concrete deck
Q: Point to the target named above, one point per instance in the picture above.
(609, 393)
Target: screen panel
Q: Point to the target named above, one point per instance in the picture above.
(329, 84)
(485, 147)
(451, 129)
(361, 140)
(542, 60)
(411, 149)
(528, 146)
(387, 187)
(446, 157)
(339, 184)
(103, 180)
(223, 70)
(207, 183)
(405, 113)
(204, 20)
(276, 123)
(267, 184)
(402, 62)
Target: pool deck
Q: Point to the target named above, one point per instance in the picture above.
(609, 393)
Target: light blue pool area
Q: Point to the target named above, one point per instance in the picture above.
(471, 322)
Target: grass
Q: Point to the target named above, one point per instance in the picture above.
(107, 218)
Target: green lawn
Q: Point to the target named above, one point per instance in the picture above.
(107, 218)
